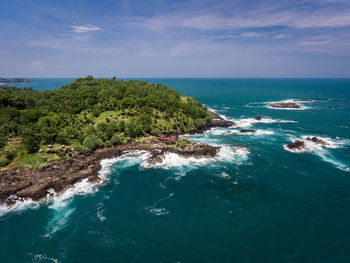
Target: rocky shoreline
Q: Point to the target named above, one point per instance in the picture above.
(39, 184)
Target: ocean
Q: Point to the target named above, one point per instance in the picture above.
(255, 202)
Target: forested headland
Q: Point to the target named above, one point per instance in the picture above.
(89, 113)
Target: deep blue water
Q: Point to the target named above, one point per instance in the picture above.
(256, 202)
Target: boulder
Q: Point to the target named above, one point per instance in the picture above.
(297, 145)
(155, 159)
(258, 118)
(317, 140)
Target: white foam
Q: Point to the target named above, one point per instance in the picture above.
(224, 175)
(159, 211)
(38, 258)
(248, 122)
(220, 131)
(100, 216)
(84, 187)
(226, 154)
(20, 204)
(215, 111)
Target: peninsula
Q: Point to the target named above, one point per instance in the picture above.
(52, 139)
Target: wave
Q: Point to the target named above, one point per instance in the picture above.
(215, 111)
(248, 122)
(37, 258)
(224, 132)
(227, 153)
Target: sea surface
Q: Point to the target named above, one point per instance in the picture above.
(255, 202)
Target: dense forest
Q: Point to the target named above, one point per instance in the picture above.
(90, 113)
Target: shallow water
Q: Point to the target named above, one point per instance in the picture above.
(255, 202)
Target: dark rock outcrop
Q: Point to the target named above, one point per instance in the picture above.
(317, 140)
(297, 145)
(258, 118)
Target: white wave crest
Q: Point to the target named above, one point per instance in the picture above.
(248, 122)
(227, 153)
(220, 131)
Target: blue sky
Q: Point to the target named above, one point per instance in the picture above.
(159, 38)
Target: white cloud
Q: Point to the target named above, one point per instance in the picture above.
(85, 29)
(36, 64)
(292, 19)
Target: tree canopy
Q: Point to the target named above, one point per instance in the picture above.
(95, 112)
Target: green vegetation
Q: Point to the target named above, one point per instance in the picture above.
(89, 113)
(182, 143)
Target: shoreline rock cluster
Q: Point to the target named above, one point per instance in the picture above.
(35, 184)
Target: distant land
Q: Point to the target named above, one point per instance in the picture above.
(15, 80)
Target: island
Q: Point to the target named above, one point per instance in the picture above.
(15, 80)
(52, 139)
(285, 105)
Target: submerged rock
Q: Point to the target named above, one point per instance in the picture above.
(285, 105)
(258, 118)
(247, 131)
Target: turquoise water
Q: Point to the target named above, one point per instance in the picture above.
(256, 202)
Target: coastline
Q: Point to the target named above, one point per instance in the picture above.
(53, 179)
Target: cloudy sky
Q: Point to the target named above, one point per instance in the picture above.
(159, 38)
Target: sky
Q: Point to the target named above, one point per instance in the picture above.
(175, 38)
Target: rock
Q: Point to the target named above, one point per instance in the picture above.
(152, 161)
(63, 146)
(297, 145)
(285, 105)
(41, 150)
(247, 131)
(44, 159)
(338, 138)
(258, 118)
(317, 140)
(50, 146)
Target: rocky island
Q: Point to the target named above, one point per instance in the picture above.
(15, 80)
(285, 105)
(299, 145)
(50, 140)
